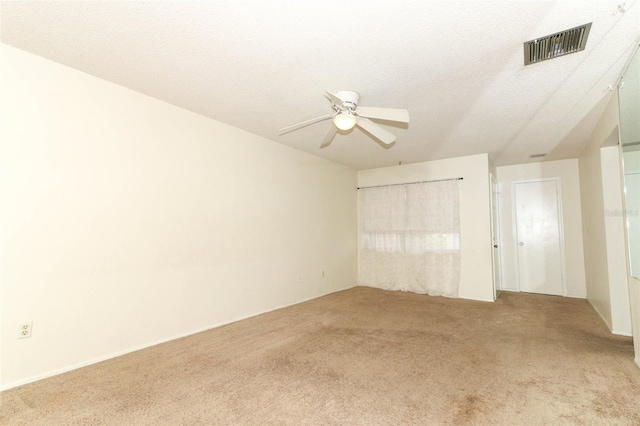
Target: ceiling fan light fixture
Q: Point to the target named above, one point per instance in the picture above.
(344, 121)
(346, 114)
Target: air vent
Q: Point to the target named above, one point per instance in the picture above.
(558, 44)
(537, 155)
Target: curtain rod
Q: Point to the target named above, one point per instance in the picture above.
(409, 183)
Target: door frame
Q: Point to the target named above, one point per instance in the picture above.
(495, 231)
(514, 223)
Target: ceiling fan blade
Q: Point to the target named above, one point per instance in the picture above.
(304, 123)
(331, 133)
(336, 100)
(391, 114)
(376, 131)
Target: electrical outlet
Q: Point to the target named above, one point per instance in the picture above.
(25, 330)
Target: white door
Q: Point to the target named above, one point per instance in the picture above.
(539, 250)
(495, 236)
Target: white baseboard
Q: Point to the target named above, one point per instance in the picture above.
(616, 332)
(46, 375)
(479, 300)
(637, 361)
(576, 296)
(601, 316)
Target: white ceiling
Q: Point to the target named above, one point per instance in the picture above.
(263, 65)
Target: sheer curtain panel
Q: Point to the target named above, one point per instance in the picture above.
(409, 238)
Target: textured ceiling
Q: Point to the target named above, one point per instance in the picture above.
(263, 65)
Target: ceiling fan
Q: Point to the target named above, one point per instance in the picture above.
(347, 114)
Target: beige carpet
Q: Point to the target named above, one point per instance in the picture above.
(362, 356)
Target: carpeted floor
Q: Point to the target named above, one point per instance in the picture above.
(362, 356)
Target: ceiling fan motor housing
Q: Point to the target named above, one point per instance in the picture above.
(349, 98)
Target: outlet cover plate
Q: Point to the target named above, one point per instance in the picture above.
(24, 330)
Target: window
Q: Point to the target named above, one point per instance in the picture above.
(409, 237)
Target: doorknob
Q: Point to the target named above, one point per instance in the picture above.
(520, 243)
(495, 246)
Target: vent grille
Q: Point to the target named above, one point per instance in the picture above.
(555, 45)
(537, 155)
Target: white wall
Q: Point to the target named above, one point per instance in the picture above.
(567, 172)
(127, 221)
(605, 288)
(475, 276)
(614, 227)
(630, 101)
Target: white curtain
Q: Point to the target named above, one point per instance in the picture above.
(409, 238)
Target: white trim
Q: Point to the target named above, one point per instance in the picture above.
(637, 361)
(573, 296)
(495, 231)
(514, 235)
(621, 333)
(557, 180)
(475, 299)
(136, 348)
(563, 261)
